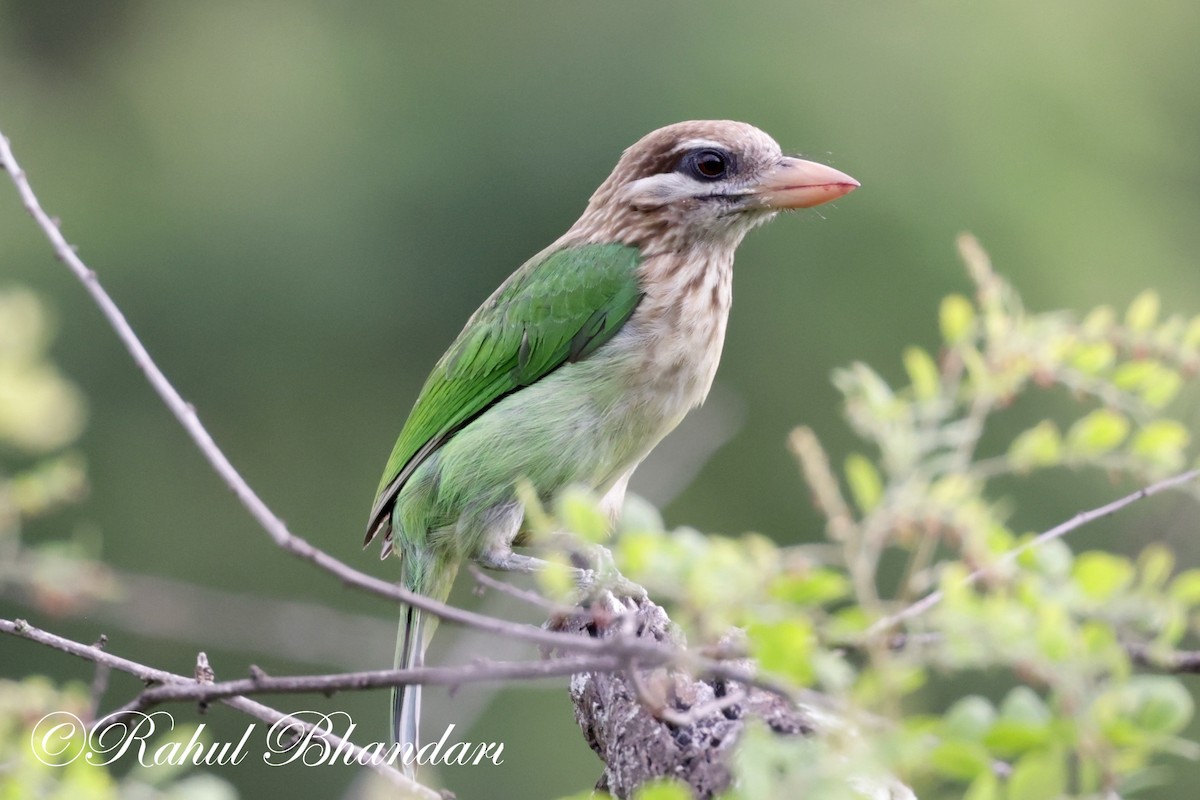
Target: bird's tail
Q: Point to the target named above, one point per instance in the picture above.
(406, 700)
(416, 629)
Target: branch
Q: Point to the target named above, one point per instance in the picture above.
(1078, 521)
(1178, 662)
(147, 674)
(481, 671)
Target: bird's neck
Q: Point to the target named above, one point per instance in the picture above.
(681, 321)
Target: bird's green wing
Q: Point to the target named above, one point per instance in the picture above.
(553, 310)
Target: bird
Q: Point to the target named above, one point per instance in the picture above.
(580, 362)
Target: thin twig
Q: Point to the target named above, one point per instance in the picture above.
(481, 671)
(99, 681)
(1078, 521)
(524, 595)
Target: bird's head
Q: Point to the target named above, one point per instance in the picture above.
(704, 181)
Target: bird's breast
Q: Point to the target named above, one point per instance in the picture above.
(678, 330)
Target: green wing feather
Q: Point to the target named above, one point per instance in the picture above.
(553, 310)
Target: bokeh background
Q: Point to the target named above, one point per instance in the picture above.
(298, 204)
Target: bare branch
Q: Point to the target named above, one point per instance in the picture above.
(481, 671)
(1078, 521)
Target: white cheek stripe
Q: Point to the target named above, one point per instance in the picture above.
(663, 188)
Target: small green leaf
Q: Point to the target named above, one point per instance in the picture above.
(1097, 433)
(785, 647)
(1152, 380)
(865, 483)
(663, 789)
(986, 786)
(814, 587)
(1162, 388)
(1161, 442)
(556, 580)
(1040, 446)
(960, 760)
(1132, 374)
(1099, 321)
(1155, 564)
(1101, 575)
(969, 719)
(1191, 336)
(1145, 705)
(922, 372)
(956, 318)
(1094, 357)
(580, 512)
(1186, 587)
(1143, 311)
(1009, 738)
(1022, 704)
(1038, 776)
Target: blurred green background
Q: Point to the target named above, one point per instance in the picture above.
(297, 205)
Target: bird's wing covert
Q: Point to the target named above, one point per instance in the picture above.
(553, 310)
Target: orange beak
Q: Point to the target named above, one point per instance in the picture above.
(796, 183)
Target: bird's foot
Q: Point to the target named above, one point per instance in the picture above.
(604, 575)
(592, 571)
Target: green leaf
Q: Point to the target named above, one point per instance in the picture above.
(1022, 704)
(960, 760)
(1040, 446)
(556, 579)
(985, 787)
(1155, 564)
(1094, 357)
(1163, 706)
(785, 647)
(1097, 433)
(1161, 442)
(1153, 381)
(1191, 336)
(580, 512)
(1145, 706)
(1101, 575)
(1009, 738)
(663, 789)
(1143, 311)
(1132, 374)
(814, 587)
(968, 719)
(865, 484)
(1099, 321)
(1186, 587)
(922, 372)
(1038, 776)
(1162, 388)
(956, 318)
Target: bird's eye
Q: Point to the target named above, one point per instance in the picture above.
(708, 165)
